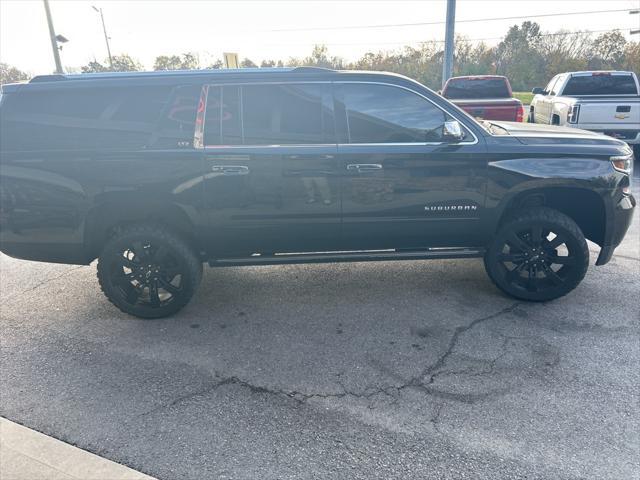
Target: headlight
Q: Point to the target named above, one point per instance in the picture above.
(623, 163)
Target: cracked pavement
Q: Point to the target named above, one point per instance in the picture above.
(381, 370)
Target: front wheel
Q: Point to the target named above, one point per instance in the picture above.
(149, 272)
(539, 255)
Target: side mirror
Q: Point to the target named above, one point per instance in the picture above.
(537, 90)
(452, 131)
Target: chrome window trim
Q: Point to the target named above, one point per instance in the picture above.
(200, 130)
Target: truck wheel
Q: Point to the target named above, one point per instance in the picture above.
(538, 255)
(148, 272)
(532, 116)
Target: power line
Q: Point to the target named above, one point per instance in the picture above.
(470, 20)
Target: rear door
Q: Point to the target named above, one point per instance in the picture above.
(270, 168)
(403, 185)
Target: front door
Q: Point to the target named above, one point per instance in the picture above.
(403, 185)
(271, 169)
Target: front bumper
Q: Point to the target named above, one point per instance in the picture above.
(620, 222)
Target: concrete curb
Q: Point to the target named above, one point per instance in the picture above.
(29, 455)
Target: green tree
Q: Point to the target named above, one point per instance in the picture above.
(564, 51)
(121, 63)
(632, 57)
(216, 65)
(320, 58)
(247, 63)
(518, 56)
(186, 61)
(9, 74)
(608, 51)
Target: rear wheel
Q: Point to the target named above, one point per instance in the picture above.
(540, 254)
(149, 272)
(532, 117)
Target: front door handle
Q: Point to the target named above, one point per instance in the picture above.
(230, 170)
(364, 167)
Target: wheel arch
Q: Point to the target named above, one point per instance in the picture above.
(105, 219)
(584, 206)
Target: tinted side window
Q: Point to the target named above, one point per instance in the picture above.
(556, 85)
(223, 122)
(269, 115)
(287, 114)
(386, 114)
(551, 84)
(87, 118)
(177, 122)
(603, 84)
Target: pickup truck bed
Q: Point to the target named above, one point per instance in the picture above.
(616, 115)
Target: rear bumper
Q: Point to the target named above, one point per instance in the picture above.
(621, 220)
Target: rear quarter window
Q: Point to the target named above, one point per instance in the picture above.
(601, 85)
(82, 118)
(468, 88)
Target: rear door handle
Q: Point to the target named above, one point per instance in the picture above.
(230, 170)
(364, 167)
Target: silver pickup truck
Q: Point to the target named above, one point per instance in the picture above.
(601, 101)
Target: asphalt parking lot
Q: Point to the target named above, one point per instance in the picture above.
(382, 370)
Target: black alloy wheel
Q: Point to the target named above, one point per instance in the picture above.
(539, 255)
(148, 271)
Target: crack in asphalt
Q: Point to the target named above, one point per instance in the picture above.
(44, 282)
(432, 370)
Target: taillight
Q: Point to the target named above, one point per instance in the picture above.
(520, 114)
(572, 114)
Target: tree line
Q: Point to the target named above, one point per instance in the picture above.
(526, 55)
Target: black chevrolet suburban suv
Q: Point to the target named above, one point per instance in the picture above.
(156, 173)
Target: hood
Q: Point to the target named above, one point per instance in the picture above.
(535, 133)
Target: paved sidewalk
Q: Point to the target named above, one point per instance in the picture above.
(28, 455)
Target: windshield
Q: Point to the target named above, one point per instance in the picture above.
(471, 88)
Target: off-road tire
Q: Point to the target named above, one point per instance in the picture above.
(524, 244)
(122, 272)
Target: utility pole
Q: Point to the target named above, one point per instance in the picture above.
(447, 61)
(52, 35)
(106, 37)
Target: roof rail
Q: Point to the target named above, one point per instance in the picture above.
(312, 69)
(56, 77)
(48, 78)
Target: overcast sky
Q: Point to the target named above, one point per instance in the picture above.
(147, 28)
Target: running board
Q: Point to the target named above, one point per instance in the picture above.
(348, 256)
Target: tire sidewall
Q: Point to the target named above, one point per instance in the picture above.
(187, 261)
(575, 243)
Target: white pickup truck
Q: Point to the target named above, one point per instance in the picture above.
(601, 101)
